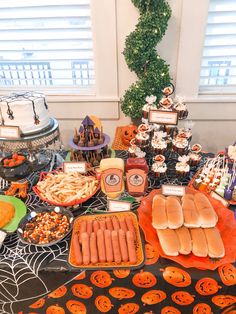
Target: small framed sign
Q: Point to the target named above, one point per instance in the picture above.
(163, 117)
(9, 132)
(176, 190)
(75, 167)
(219, 198)
(118, 206)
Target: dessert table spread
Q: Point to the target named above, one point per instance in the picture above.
(29, 274)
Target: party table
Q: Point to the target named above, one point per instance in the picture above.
(39, 279)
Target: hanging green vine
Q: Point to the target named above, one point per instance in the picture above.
(142, 58)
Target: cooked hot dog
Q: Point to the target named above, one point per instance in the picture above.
(123, 225)
(102, 224)
(123, 246)
(89, 227)
(93, 248)
(85, 248)
(108, 245)
(101, 246)
(130, 226)
(82, 229)
(115, 223)
(131, 247)
(76, 249)
(96, 226)
(116, 246)
(109, 223)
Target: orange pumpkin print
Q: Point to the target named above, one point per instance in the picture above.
(144, 279)
(170, 310)
(121, 273)
(227, 274)
(176, 276)
(55, 309)
(151, 254)
(101, 279)
(103, 303)
(82, 291)
(81, 276)
(182, 298)
(121, 293)
(76, 307)
(58, 293)
(207, 286)
(230, 310)
(153, 297)
(38, 304)
(129, 308)
(223, 300)
(202, 308)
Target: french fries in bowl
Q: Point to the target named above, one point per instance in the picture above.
(66, 189)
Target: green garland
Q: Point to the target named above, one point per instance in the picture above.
(142, 58)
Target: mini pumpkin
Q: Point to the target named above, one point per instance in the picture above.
(55, 309)
(207, 286)
(103, 303)
(76, 307)
(121, 293)
(128, 133)
(223, 300)
(170, 310)
(81, 276)
(82, 291)
(144, 279)
(176, 276)
(129, 308)
(121, 273)
(38, 304)
(182, 298)
(101, 279)
(202, 308)
(151, 253)
(153, 297)
(58, 293)
(227, 274)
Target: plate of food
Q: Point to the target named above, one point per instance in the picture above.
(45, 226)
(66, 189)
(15, 167)
(202, 238)
(106, 241)
(12, 210)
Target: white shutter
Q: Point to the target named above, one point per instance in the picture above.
(218, 69)
(46, 43)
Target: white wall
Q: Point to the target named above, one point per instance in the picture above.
(214, 123)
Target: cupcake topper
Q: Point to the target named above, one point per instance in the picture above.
(183, 159)
(168, 90)
(151, 99)
(160, 135)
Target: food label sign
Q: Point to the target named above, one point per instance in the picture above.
(176, 190)
(118, 206)
(163, 117)
(75, 167)
(9, 132)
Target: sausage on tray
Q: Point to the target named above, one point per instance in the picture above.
(85, 248)
(115, 223)
(96, 226)
(109, 223)
(82, 229)
(116, 246)
(123, 246)
(101, 246)
(131, 247)
(130, 225)
(108, 245)
(76, 249)
(93, 248)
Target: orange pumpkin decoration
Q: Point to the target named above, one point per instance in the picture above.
(82, 291)
(76, 307)
(176, 276)
(223, 300)
(103, 303)
(182, 298)
(230, 310)
(144, 279)
(81, 276)
(38, 304)
(121, 293)
(170, 310)
(151, 253)
(55, 309)
(207, 286)
(128, 308)
(121, 273)
(58, 293)
(153, 297)
(101, 279)
(202, 308)
(128, 133)
(227, 274)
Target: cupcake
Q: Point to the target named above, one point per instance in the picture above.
(185, 133)
(160, 159)
(196, 148)
(149, 106)
(132, 151)
(159, 170)
(181, 108)
(180, 146)
(182, 169)
(145, 128)
(166, 103)
(170, 129)
(142, 139)
(159, 146)
(167, 91)
(194, 159)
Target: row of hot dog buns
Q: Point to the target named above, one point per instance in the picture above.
(192, 211)
(105, 241)
(201, 242)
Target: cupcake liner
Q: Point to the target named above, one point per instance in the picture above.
(182, 114)
(159, 151)
(159, 175)
(182, 174)
(194, 163)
